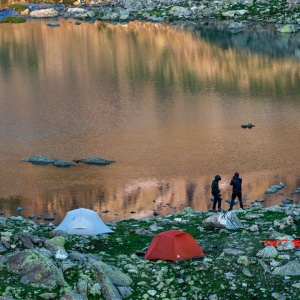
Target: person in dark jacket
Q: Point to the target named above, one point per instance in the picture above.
(215, 191)
(236, 183)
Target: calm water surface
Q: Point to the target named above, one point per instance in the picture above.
(166, 104)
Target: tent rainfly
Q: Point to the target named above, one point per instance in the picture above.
(173, 245)
(83, 221)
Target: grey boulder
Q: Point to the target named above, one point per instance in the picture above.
(39, 160)
(95, 161)
(63, 164)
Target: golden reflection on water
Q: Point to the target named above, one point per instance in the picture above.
(162, 102)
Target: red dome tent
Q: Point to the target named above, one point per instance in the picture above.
(173, 245)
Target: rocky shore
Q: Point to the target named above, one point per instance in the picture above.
(238, 12)
(39, 263)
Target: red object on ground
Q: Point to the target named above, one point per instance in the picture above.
(274, 243)
(173, 245)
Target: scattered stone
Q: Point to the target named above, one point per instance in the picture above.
(292, 268)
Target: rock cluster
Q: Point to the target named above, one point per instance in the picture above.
(44, 264)
(45, 160)
(239, 12)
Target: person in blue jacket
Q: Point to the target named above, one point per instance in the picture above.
(236, 183)
(215, 191)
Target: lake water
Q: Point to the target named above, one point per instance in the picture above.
(166, 104)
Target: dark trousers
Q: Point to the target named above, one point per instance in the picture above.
(234, 195)
(217, 199)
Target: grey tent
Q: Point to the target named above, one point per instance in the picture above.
(84, 222)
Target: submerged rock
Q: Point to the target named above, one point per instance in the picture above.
(249, 125)
(39, 160)
(94, 161)
(63, 164)
(267, 252)
(52, 24)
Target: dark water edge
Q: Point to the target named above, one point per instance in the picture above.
(254, 38)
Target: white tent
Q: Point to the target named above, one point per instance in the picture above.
(84, 222)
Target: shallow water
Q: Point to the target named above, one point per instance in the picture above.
(166, 104)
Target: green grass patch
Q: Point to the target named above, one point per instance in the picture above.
(13, 20)
(17, 7)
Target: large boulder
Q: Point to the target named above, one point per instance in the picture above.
(267, 252)
(223, 220)
(44, 13)
(79, 13)
(36, 268)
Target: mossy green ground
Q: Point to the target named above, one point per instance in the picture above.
(184, 275)
(17, 7)
(191, 279)
(12, 20)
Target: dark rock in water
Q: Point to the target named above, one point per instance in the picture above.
(229, 200)
(49, 218)
(63, 164)
(105, 211)
(39, 160)
(77, 23)
(133, 212)
(260, 200)
(32, 217)
(274, 188)
(1, 213)
(52, 24)
(296, 191)
(155, 213)
(287, 201)
(39, 217)
(19, 209)
(95, 161)
(249, 125)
